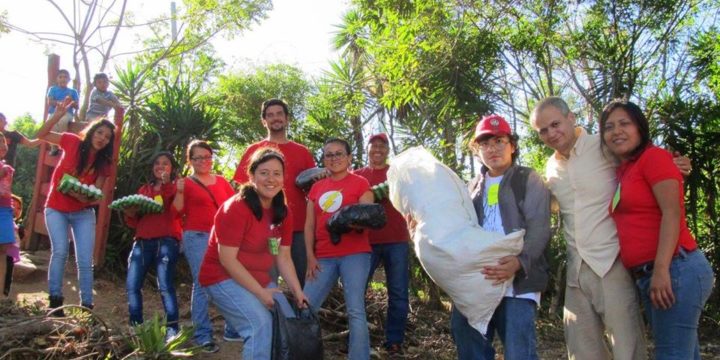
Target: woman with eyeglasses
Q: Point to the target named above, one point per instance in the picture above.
(349, 259)
(672, 274)
(198, 198)
(507, 197)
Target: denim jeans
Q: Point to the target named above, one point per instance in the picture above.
(195, 245)
(247, 315)
(299, 256)
(161, 253)
(82, 224)
(675, 329)
(514, 321)
(352, 271)
(394, 258)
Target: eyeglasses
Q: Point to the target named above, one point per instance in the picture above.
(497, 143)
(337, 155)
(202, 158)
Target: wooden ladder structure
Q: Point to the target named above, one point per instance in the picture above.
(36, 232)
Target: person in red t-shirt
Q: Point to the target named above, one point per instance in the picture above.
(156, 243)
(389, 246)
(88, 158)
(275, 118)
(349, 259)
(197, 200)
(672, 275)
(252, 231)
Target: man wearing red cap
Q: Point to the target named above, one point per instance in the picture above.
(507, 197)
(390, 246)
(275, 118)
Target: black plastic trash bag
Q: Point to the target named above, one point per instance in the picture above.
(296, 336)
(360, 215)
(308, 177)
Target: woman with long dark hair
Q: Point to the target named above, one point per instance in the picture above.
(156, 245)
(252, 231)
(88, 158)
(672, 275)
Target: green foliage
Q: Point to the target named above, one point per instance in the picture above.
(240, 95)
(149, 341)
(705, 51)
(25, 159)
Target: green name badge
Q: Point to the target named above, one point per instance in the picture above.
(274, 245)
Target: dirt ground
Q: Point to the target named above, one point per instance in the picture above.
(428, 334)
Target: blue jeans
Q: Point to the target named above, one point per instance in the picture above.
(299, 256)
(675, 329)
(195, 245)
(247, 315)
(394, 258)
(162, 253)
(352, 271)
(82, 224)
(514, 321)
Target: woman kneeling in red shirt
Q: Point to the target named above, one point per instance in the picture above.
(674, 277)
(249, 228)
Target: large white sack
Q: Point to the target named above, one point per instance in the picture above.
(449, 243)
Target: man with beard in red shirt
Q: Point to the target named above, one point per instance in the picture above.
(275, 118)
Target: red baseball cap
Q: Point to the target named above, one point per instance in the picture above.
(493, 125)
(381, 136)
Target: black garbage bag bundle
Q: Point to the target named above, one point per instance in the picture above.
(308, 177)
(296, 336)
(359, 215)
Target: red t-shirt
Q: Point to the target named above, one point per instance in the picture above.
(395, 230)
(297, 159)
(637, 214)
(236, 226)
(328, 197)
(151, 226)
(199, 208)
(70, 143)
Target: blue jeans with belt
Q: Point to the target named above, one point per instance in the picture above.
(675, 329)
(162, 254)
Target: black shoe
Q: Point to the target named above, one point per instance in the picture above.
(394, 350)
(56, 302)
(209, 347)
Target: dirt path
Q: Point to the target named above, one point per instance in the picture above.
(428, 331)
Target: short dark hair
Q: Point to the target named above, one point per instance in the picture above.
(99, 76)
(338, 141)
(248, 193)
(268, 103)
(63, 71)
(195, 144)
(636, 116)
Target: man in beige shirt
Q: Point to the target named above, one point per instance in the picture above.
(600, 296)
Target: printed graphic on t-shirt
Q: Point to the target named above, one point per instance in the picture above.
(331, 201)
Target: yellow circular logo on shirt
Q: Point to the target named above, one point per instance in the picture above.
(330, 201)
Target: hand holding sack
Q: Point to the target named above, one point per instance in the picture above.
(69, 183)
(144, 204)
(305, 180)
(357, 215)
(451, 246)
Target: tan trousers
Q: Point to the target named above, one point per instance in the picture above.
(604, 309)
